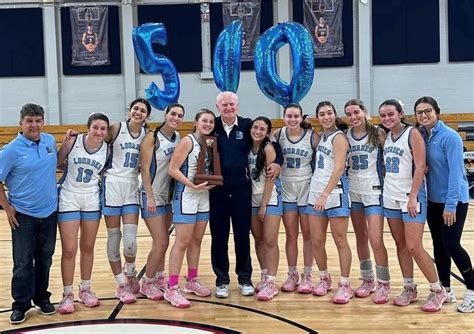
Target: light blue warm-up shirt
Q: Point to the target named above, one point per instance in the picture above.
(28, 170)
(446, 180)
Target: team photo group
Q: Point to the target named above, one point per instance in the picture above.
(396, 175)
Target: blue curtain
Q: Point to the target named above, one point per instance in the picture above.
(22, 47)
(461, 30)
(183, 30)
(405, 31)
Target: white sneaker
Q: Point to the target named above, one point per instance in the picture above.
(222, 291)
(450, 297)
(467, 305)
(246, 289)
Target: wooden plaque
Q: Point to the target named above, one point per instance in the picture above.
(209, 163)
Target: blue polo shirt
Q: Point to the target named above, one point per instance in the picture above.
(28, 170)
(447, 182)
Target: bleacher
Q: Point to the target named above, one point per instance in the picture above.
(463, 123)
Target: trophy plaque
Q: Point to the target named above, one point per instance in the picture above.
(209, 163)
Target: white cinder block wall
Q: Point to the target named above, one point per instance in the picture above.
(70, 99)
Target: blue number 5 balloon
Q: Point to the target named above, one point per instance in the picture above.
(227, 56)
(301, 47)
(152, 63)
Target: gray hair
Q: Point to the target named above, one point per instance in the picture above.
(221, 95)
(31, 109)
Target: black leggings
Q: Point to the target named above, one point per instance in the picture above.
(447, 243)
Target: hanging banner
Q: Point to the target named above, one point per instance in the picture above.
(89, 35)
(323, 18)
(247, 12)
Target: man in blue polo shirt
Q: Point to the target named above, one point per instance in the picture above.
(28, 169)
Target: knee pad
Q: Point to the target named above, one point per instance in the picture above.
(130, 240)
(113, 244)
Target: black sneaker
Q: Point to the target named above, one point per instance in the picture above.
(46, 308)
(17, 316)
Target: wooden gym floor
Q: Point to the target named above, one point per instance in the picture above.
(287, 313)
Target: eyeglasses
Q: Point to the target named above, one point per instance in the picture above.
(427, 112)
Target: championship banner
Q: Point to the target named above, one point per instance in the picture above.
(323, 19)
(248, 12)
(89, 35)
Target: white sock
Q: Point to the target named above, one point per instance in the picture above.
(120, 279)
(67, 289)
(408, 282)
(85, 284)
(436, 286)
(130, 269)
(345, 281)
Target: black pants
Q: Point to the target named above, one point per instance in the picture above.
(447, 243)
(33, 244)
(231, 204)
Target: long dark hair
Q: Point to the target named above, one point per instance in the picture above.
(303, 124)
(148, 108)
(339, 122)
(371, 129)
(261, 156)
(167, 110)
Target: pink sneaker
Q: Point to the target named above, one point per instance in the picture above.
(125, 295)
(195, 286)
(260, 285)
(174, 296)
(343, 294)
(435, 300)
(366, 288)
(306, 284)
(151, 290)
(381, 294)
(269, 290)
(324, 285)
(88, 298)
(133, 283)
(66, 305)
(408, 296)
(162, 283)
(291, 282)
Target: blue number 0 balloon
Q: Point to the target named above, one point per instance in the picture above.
(227, 56)
(152, 63)
(301, 46)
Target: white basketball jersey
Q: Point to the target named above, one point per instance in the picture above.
(83, 167)
(298, 156)
(258, 184)
(365, 166)
(189, 167)
(125, 156)
(160, 179)
(324, 166)
(399, 166)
